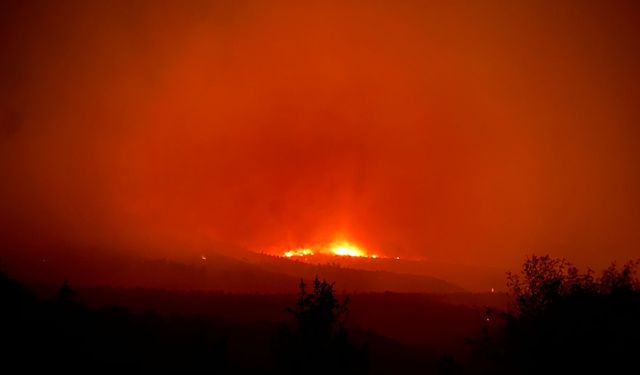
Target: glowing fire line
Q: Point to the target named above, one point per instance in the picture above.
(342, 249)
(298, 252)
(347, 250)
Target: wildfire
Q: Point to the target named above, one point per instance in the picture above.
(298, 252)
(342, 249)
(347, 250)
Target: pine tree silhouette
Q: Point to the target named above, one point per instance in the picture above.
(318, 342)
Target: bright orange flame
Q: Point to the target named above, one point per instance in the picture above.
(298, 252)
(347, 250)
(344, 249)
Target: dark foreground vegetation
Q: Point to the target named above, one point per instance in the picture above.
(565, 321)
(560, 320)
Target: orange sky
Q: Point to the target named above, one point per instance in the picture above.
(473, 132)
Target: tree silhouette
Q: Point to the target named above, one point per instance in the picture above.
(562, 320)
(447, 365)
(318, 342)
(319, 313)
(65, 293)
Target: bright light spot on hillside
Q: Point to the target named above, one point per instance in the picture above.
(298, 252)
(333, 249)
(347, 250)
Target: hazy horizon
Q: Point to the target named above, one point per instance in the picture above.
(466, 133)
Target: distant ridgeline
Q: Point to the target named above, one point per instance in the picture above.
(559, 321)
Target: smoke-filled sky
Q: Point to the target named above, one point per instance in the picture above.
(475, 132)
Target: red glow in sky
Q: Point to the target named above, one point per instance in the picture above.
(464, 132)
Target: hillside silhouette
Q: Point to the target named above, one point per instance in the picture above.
(558, 320)
(246, 273)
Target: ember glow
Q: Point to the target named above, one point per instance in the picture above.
(340, 249)
(298, 252)
(347, 250)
